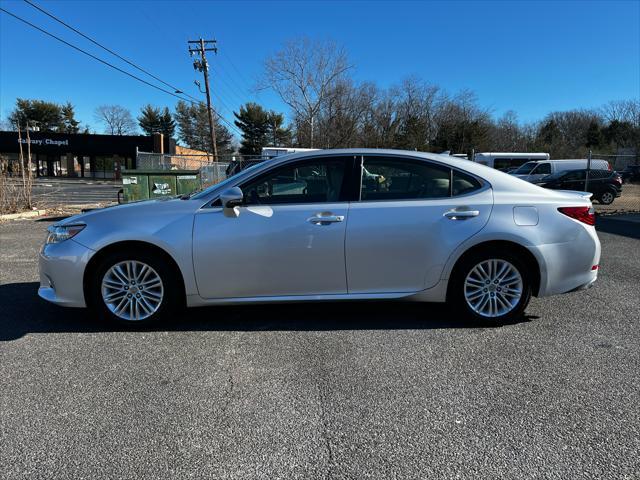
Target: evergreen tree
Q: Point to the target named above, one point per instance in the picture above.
(150, 120)
(253, 121)
(46, 116)
(69, 122)
(193, 128)
(167, 124)
(595, 138)
(277, 134)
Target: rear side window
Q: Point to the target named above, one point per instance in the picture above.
(463, 183)
(388, 178)
(575, 175)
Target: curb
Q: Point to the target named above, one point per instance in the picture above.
(29, 214)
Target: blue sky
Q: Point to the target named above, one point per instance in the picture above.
(532, 57)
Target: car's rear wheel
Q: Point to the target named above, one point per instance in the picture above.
(133, 288)
(607, 197)
(491, 287)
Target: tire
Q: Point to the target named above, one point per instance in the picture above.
(505, 300)
(117, 288)
(607, 197)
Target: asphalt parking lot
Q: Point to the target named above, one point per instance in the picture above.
(375, 390)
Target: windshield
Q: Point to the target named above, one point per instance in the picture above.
(526, 168)
(203, 193)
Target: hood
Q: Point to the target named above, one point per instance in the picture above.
(126, 211)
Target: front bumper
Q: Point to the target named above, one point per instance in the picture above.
(62, 267)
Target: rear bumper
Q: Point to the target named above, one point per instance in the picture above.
(62, 267)
(568, 266)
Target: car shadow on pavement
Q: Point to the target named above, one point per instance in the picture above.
(23, 312)
(625, 225)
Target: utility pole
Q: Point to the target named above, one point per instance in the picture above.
(201, 47)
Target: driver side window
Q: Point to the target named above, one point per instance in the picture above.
(542, 169)
(311, 181)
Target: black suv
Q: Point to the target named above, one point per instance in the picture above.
(605, 185)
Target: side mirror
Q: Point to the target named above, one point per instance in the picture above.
(231, 199)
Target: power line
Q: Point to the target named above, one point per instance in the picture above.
(177, 90)
(91, 55)
(230, 88)
(240, 74)
(104, 62)
(95, 42)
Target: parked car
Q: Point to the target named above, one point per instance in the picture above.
(606, 186)
(631, 173)
(533, 171)
(330, 225)
(502, 160)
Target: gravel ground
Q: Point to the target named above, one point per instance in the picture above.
(357, 390)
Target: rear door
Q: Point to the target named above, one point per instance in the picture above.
(410, 217)
(573, 180)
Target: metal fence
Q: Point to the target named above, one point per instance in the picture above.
(211, 172)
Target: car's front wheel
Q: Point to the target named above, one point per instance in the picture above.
(133, 288)
(491, 287)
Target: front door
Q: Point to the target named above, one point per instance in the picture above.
(411, 216)
(288, 239)
(539, 172)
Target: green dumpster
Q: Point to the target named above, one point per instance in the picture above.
(162, 185)
(187, 182)
(145, 184)
(135, 185)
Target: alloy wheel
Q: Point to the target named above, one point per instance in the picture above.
(493, 288)
(132, 290)
(607, 198)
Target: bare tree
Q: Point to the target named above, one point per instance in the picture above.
(116, 119)
(622, 111)
(305, 73)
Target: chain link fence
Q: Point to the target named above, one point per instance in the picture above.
(210, 172)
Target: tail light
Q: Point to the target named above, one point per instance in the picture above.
(609, 166)
(582, 214)
(618, 179)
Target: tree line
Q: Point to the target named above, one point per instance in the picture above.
(329, 109)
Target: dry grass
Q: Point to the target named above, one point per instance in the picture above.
(15, 196)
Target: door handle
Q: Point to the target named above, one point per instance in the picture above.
(461, 214)
(325, 219)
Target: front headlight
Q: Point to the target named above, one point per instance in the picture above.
(57, 234)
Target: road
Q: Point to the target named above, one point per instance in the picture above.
(377, 390)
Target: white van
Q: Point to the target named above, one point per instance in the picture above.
(507, 160)
(272, 152)
(532, 171)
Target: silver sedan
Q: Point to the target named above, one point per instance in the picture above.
(330, 225)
